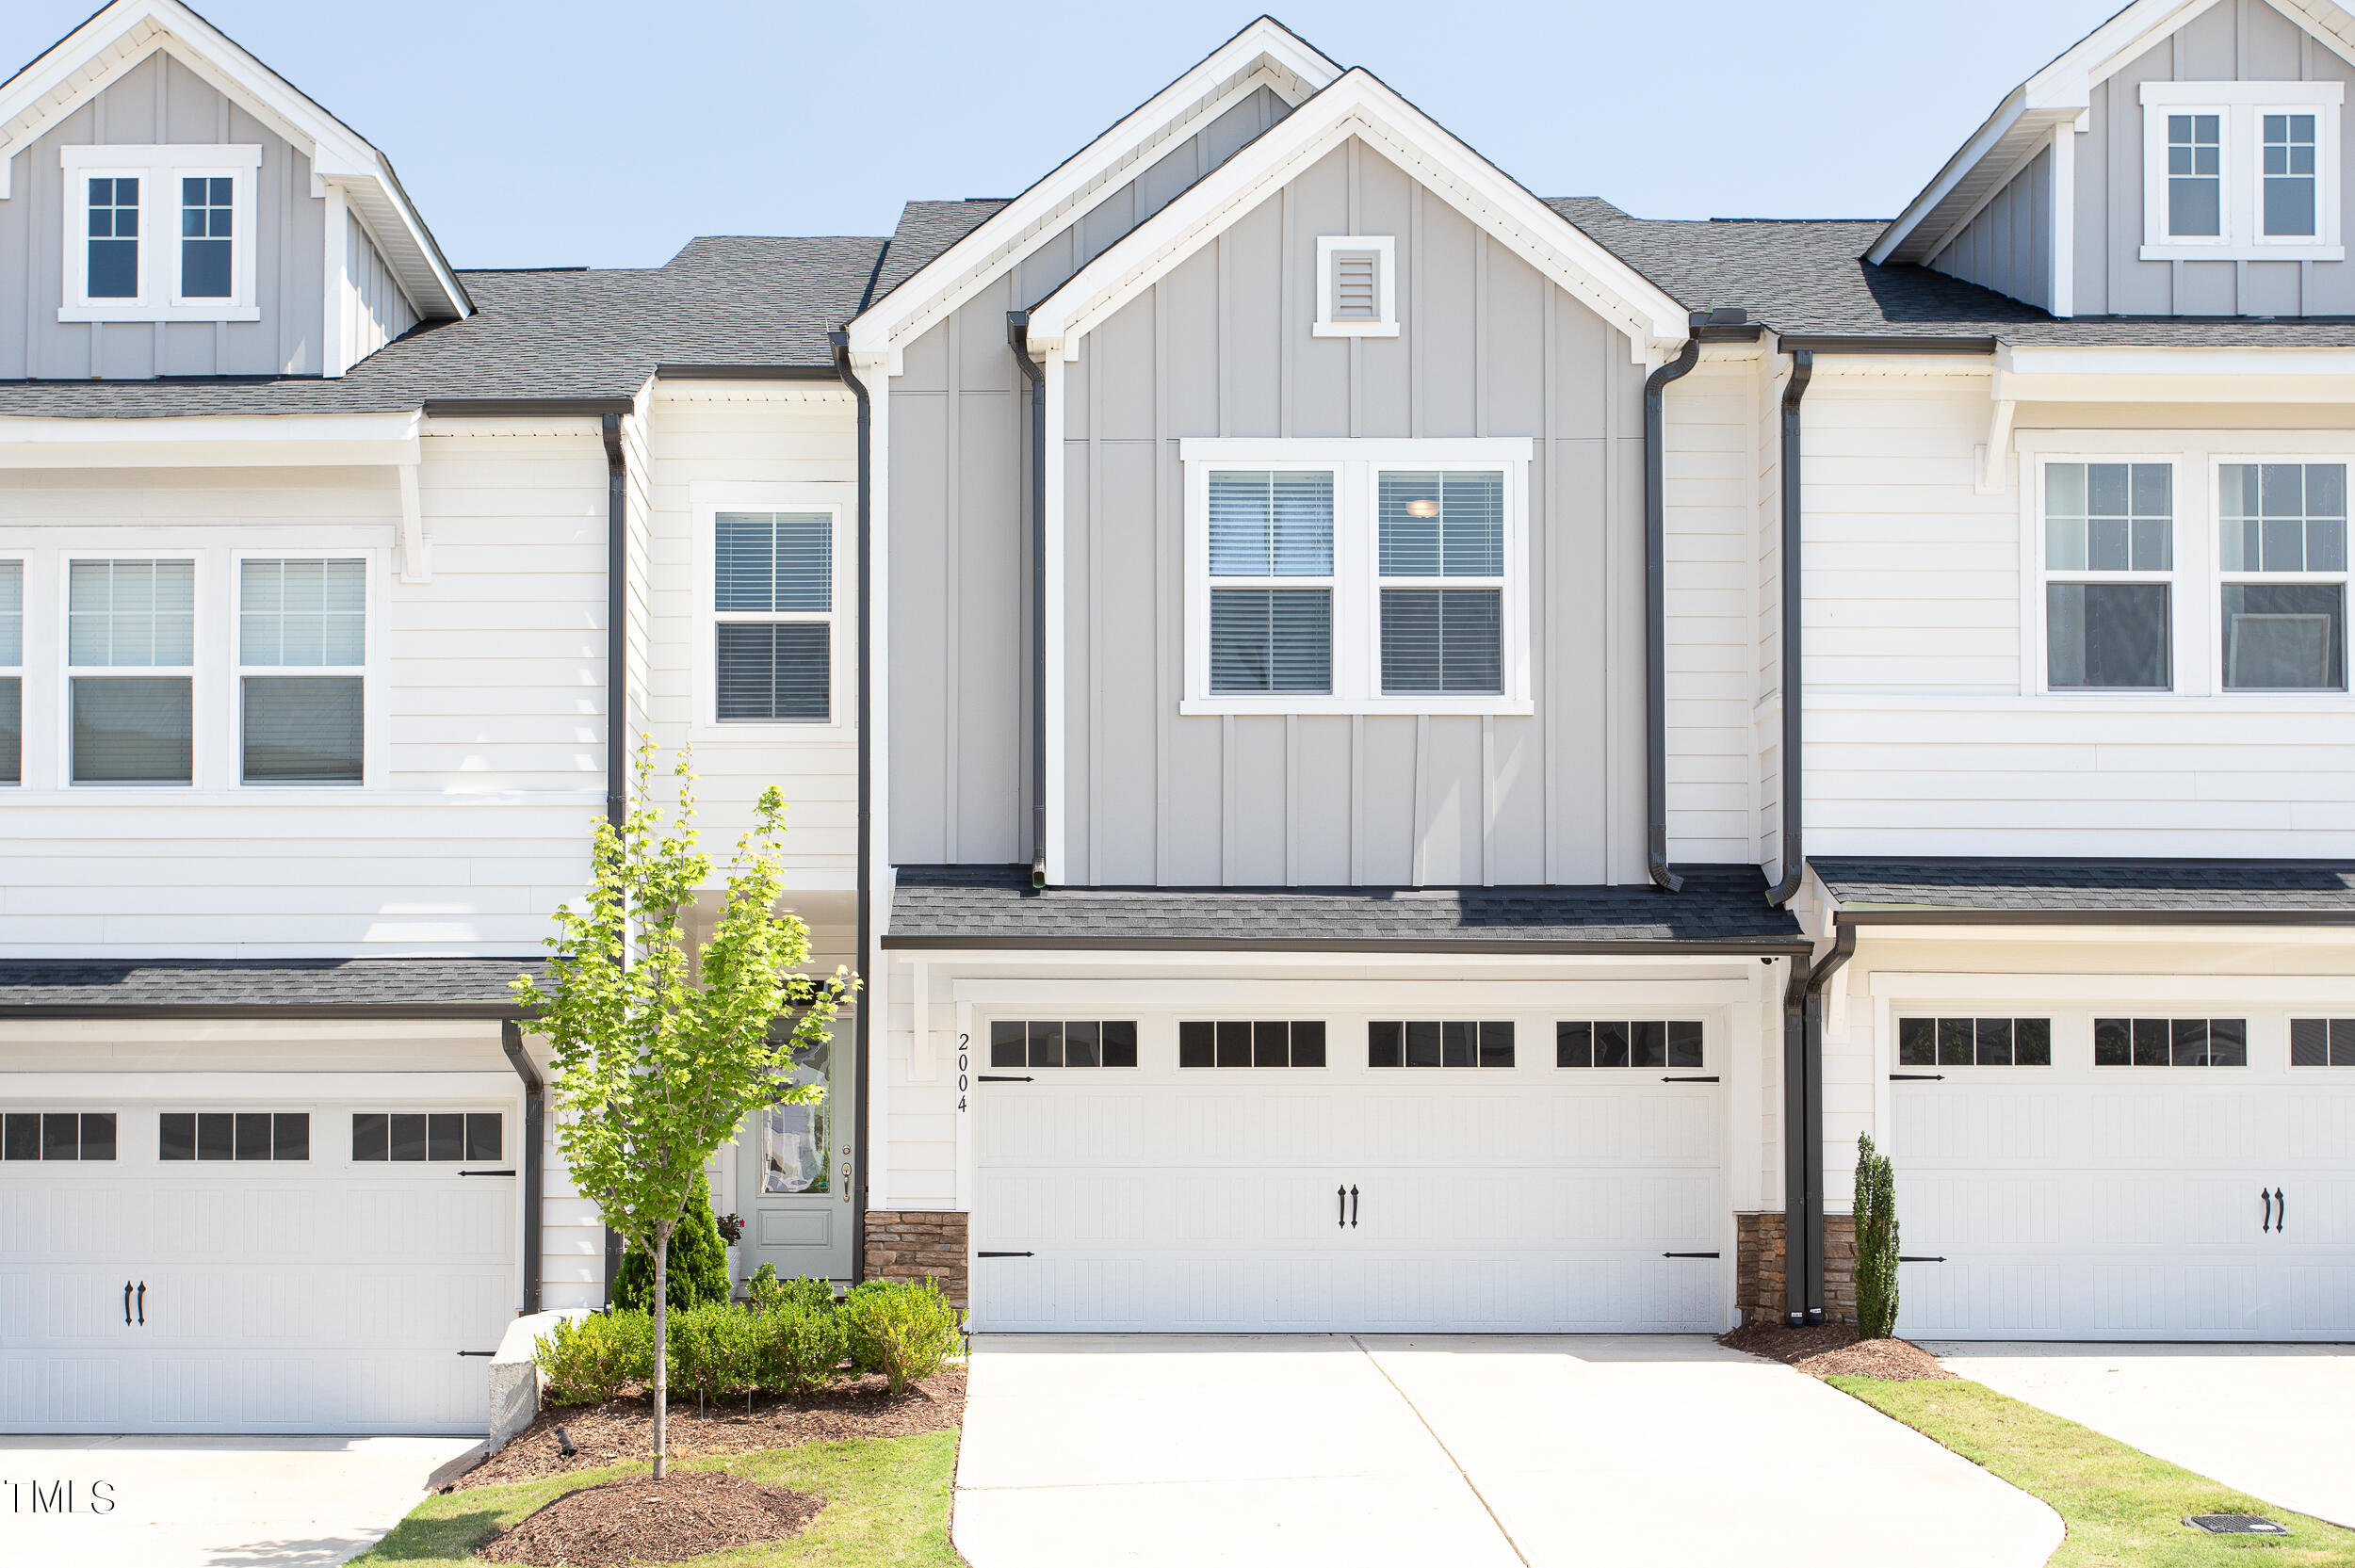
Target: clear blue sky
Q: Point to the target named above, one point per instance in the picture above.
(544, 132)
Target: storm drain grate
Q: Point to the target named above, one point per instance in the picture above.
(2236, 1524)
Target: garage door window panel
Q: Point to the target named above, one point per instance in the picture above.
(417, 1137)
(1063, 1043)
(242, 1136)
(2171, 1043)
(1203, 1043)
(1975, 1042)
(1444, 1043)
(2322, 1043)
(57, 1134)
(1627, 1042)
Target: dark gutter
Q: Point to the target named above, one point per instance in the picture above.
(497, 1012)
(616, 623)
(1870, 916)
(1656, 608)
(1763, 947)
(746, 373)
(861, 1033)
(1794, 779)
(1018, 335)
(1803, 1128)
(534, 1163)
(525, 408)
(1845, 343)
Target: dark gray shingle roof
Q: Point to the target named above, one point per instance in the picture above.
(1808, 276)
(2229, 889)
(927, 229)
(994, 906)
(463, 987)
(536, 336)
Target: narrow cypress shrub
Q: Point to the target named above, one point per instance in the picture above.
(699, 1261)
(1876, 1242)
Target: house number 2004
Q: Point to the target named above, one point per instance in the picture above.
(964, 1041)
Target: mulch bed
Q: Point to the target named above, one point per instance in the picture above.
(1833, 1350)
(623, 1428)
(686, 1513)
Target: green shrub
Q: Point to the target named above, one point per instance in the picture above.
(698, 1270)
(904, 1329)
(767, 1292)
(801, 1346)
(715, 1350)
(589, 1360)
(1876, 1242)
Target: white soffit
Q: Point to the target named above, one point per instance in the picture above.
(2028, 373)
(218, 441)
(2059, 95)
(1361, 105)
(111, 43)
(1265, 54)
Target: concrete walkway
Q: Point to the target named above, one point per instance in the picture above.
(1477, 1452)
(209, 1502)
(2276, 1421)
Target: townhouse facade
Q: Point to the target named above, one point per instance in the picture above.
(1395, 754)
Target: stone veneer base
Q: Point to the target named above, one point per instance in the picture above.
(917, 1244)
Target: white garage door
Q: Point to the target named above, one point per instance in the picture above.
(272, 1283)
(2076, 1200)
(1343, 1197)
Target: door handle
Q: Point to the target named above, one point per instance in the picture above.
(142, 1304)
(1341, 1209)
(2266, 1198)
(126, 1303)
(1353, 1208)
(2281, 1212)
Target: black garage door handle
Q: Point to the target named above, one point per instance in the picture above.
(126, 1303)
(1692, 1254)
(1903, 1258)
(986, 1078)
(2266, 1199)
(1917, 1077)
(1005, 1254)
(2281, 1212)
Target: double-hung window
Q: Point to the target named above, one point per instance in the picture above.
(2109, 560)
(12, 672)
(160, 233)
(773, 604)
(130, 670)
(302, 641)
(2283, 537)
(1357, 577)
(2241, 171)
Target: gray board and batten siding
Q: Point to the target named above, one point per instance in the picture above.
(161, 101)
(959, 539)
(2237, 40)
(1222, 345)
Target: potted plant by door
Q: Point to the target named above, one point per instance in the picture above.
(731, 1227)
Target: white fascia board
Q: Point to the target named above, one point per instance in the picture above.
(1981, 142)
(1265, 50)
(1361, 105)
(100, 52)
(2103, 374)
(214, 440)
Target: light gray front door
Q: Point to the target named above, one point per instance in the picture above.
(793, 1170)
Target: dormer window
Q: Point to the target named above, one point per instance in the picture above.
(2241, 171)
(160, 233)
(1356, 286)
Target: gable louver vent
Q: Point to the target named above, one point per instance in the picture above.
(1356, 286)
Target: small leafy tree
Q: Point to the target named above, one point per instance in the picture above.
(698, 1263)
(1876, 1242)
(661, 1055)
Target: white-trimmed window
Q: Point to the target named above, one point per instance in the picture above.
(2109, 571)
(773, 614)
(301, 644)
(2241, 171)
(130, 670)
(1356, 286)
(160, 233)
(12, 672)
(1357, 577)
(2282, 532)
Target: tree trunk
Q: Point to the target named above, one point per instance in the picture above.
(661, 1349)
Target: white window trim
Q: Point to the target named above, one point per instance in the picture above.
(2241, 160)
(2180, 574)
(1384, 247)
(2198, 645)
(1357, 589)
(20, 671)
(372, 684)
(705, 501)
(203, 683)
(159, 169)
(2222, 578)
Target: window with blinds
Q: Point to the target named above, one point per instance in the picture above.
(1268, 528)
(135, 619)
(1441, 565)
(12, 672)
(772, 603)
(301, 638)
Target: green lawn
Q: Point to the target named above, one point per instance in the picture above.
(887, 1507)
(2123, 1508)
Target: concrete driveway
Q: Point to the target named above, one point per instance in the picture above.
(1474, 1451)
(2276, 1421)
(209, 1502)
